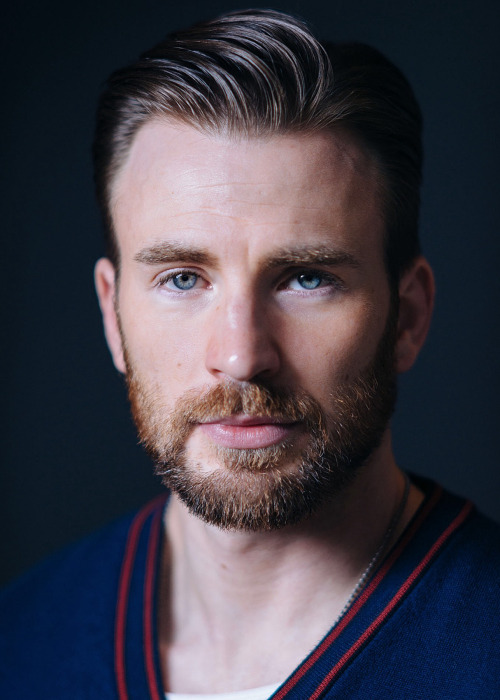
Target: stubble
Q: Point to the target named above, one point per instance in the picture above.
(271, 487)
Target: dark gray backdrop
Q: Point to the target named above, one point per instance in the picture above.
(70, 458)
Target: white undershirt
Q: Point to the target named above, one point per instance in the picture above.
(262, 693)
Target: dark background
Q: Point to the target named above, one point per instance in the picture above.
(70, 458)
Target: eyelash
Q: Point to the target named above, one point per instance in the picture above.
(165, 278)
(327, 280)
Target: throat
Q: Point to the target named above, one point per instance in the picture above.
(226, 597)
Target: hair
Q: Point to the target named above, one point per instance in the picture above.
(256, 73)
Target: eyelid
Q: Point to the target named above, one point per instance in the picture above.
(334, 282)
(326, 276)
(163, 277)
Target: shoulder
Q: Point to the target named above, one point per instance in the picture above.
(480, 541)
(468, 573)
(68, 573)
(466, 557)
(60, 616)
(473, 549)
(448, 629)
(431, 629)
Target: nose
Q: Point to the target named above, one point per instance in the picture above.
(240, 344)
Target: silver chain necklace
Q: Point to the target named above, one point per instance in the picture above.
(361, 582)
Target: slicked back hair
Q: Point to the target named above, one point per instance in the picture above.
(256, 73)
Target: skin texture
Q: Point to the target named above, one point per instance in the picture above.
(241, 220)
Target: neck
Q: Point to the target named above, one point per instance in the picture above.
(269, 580)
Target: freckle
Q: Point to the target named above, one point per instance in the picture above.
(179, 364)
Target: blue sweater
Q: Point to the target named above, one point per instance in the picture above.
(83, 625)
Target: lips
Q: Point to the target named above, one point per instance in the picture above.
(247, 432)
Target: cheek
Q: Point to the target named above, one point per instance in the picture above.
(165, 354)
(166, 361)
(331, 351)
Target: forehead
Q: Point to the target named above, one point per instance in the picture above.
(296, 188)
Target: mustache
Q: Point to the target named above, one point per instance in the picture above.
(255, 400)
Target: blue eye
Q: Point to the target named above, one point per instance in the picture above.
(184, 280)
(309, 280)
(312, 280)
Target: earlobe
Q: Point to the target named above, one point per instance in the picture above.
(416, 301)
(105, 283)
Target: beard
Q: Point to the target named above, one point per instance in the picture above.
(270, 487)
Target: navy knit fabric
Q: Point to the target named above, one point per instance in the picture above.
(82, 625)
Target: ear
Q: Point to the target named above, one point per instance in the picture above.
(416, 301)
(105, 283)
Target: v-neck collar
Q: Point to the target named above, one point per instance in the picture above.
(137, 665)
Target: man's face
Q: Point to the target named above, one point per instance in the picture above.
(253, 306)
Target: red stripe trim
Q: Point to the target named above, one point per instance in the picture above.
(123, 593)
(396, 599)
(414, 525)
(149, 588)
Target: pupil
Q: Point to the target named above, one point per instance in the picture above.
(309, 281)
(184, 280)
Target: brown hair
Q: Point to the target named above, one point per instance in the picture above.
(259, 72)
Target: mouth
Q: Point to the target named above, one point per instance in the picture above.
(248, 432)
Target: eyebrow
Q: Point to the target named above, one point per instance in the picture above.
(161, 253)
(312, 255)
(165, 252)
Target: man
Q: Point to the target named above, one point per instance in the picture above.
(262, 290)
